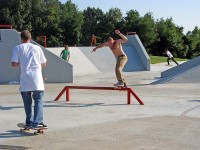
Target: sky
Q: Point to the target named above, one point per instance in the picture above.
(185, 13)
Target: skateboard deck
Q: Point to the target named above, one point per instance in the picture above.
(120, 87)
(25, 129)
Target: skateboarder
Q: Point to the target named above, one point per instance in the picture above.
(30, 59)
(170, 56)
(121, 58)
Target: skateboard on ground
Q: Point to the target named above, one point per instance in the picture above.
(36, 131)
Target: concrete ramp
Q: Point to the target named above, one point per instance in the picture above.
(81, 64)
(134, 61)
(138, 58)
(10, 38)
(86, 62)
(104, 60)
(187, 72)
(82, 61)
(57, 70)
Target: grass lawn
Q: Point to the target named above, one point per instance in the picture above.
(160, 59)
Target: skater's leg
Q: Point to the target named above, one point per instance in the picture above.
(121, 61)
(27, 100)
(38, 107)
(168, 60)
(174, 61)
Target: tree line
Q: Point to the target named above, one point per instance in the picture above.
(66, 24)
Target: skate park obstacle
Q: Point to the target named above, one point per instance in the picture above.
(129, 91)
(6, 26)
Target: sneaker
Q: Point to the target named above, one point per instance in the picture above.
(119, 84)
(43, 125)
(27, 126)
(125, 85)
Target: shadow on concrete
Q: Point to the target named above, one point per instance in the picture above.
(193, 100)
(69, 104)
(11, 147)
(132, 85)
(10, 107)
(14, 133)
(66, 104)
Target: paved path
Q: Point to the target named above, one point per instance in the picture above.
(99, 120)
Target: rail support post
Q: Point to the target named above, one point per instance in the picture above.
(128, 97)
(136, 97)
(67, 94)
(60, 94)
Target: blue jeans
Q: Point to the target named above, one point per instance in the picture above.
(37, 118)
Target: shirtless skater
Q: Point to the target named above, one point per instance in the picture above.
(116, 48)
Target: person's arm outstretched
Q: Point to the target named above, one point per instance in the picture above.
(99, 46)
(123, 37)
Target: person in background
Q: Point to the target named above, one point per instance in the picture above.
(30, 58)
(94, 40)
(65, 54)
(170, 56)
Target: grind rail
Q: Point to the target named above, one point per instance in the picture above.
(129, 92)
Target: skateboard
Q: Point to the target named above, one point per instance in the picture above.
(36, 131)
(119, 87)
(168, 65)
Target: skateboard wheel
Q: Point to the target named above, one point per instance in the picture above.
(41, 131)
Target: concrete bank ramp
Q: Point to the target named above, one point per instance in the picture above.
(85, 61)
(188, 72)
(139, 60)
(57, 70)
(81, 64)
(82, 61)
(104, 60)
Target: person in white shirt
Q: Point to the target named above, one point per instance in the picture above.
(30, 58)
(170, 56)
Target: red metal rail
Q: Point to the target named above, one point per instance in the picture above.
(6, 26)
(129, 92)
(130, 33)
(45, 40)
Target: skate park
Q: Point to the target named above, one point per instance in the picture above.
(101, 119)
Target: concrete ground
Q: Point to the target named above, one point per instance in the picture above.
(94, 119)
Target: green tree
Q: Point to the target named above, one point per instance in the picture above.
(146, 29)
(131, 20)
(15, 13)
(92, 25)
(71, 23)
(192, 39)
(110, 21)
(169, 36)
(52, 20)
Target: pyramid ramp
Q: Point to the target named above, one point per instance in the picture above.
(81, 64)
(104, 60)
(187, 72)
(56, 70)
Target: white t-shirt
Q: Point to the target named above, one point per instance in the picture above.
(169, 54)
(29, 57)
